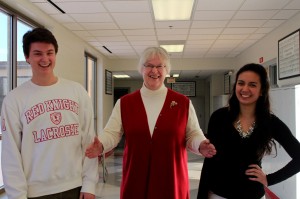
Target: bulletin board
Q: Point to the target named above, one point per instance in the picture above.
(227, 88)
(288, 56)
(108, 82)
(185, 88)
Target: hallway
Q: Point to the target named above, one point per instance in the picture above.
(111, 189)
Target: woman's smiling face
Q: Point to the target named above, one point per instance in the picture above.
(154, 73)
(248, 88)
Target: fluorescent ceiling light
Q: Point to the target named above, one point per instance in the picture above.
(175, 75)
(172, 9)
(173, 48)
(121, 76)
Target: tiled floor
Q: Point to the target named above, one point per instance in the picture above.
(111, 188)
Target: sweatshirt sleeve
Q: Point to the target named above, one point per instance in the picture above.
(90, 175)
(13, 174)
(194, 134)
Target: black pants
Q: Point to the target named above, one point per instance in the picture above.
(69, 194)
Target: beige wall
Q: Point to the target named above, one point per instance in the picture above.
(268, 48)
(70, 62)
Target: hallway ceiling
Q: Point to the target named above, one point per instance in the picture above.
(217, 29)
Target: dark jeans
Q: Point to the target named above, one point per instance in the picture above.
(70, 194)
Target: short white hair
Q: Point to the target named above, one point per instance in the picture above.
(152, 52)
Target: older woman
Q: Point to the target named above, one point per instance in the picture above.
(158, 124)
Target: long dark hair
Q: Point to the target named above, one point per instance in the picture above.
(262, 110)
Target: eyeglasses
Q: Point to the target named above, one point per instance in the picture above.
(150, 67)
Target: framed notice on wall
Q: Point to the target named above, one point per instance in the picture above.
(185, 88)
(288, 56)
(108, 82)
(227, 83)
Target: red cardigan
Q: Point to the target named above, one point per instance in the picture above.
(155, 167)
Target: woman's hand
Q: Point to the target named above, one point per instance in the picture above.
(207, 149)
(94, 149)
(256, 174)
(84, 195)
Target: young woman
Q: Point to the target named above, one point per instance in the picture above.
(243, 133)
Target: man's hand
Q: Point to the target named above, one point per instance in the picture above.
(207, 149)
(94, 149)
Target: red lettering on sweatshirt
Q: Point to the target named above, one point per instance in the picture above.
(35, 111)
(55, 133)
(61, 104)
(50, 106)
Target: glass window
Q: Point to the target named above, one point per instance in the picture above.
(91, 64)
(5, 55)
(24, 72)
(5, 61)
(13, 68)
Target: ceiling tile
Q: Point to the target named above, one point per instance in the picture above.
(285, 14)
(209, 24)
(129, 20)
(99, 26)
(63, 18)
(218, 5)
(217, 29)
(239, 30)
(264, 4)
(73, 26)
(255, 14)
(295, 4)
(91, 18)
(246, 23)
(141, 38)
(213, 15)
(101, 33)
(81, 7)
(127, 6)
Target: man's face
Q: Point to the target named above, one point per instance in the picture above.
(42, 59)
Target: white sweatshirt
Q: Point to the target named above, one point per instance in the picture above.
(45, 131)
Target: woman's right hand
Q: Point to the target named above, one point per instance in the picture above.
(207, 149)
(255, 173)
(94, 149)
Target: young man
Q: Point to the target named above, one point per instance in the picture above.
(47, 123)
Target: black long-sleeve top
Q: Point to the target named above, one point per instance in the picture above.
(224, 174)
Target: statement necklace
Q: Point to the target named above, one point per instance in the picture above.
(244, 134)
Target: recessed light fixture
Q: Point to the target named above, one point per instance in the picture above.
(56, 6)
(173, 48)
(121, 76)
(175, 75)
(172, 9)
